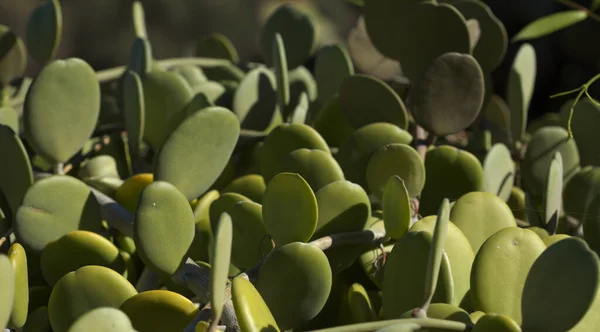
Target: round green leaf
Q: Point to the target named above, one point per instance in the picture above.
(83, 248)
(498, 171)
(53, 207)
(297, 31)
(16, 175)
(306, 268)
(343, 207)
(366, 100)
(206, 138)
(493, 42)
(500, 269)
(356, 151)
(451, 173)
(591, 224)
(495, 117)
(13, 57)
(405, 288)
(521, 81)
(165, 95)
(496, 323)
(7, 282)
(424, 30)
(251, 310)
(133, 111)
(18, 260)
(159, 310)
(479, 215)
(61, 108)
(220, 261)
(44, 31)
(217, 46)
(103, 319)
(449, 95)
(332, 66)
(251, 185)
(78, 292)
(284, 139)
(317, 167)
(222, 204)
(38, 321)
(164, 227)
(540, 150)
(331, 122)
(396, 207)
(191, 74)
(255, 100)
(249, 234)
(302, 81)
(289, 209)
(558, 303)
(396, 159)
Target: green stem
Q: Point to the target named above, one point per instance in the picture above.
(430, 324)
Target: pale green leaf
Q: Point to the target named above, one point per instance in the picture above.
(549, 24)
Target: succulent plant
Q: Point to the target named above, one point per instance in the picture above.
(283, 196)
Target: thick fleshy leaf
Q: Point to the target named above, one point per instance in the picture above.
(436, 252)
(18, 260)
(159, 309)
(140, 57)
(139, 20)
(103, 319)
(217, 46)
(164, 227)
(133, 110)
(61, 108)
(7, 282)
(220, 261)
(558, 303)
(251, 310)
(405, 288)
(88, 288)
(281, 72)
(554, 190)
(13, 57)
(53, 207)
(16, 175)
(396, 159)
(451, 173)
(207, 139)
(284, 139)
(396, 207)
(521, 81)
(307, 268)
(249, 233)
(500, 269)
(424, 30)
(479, 215)
(495, 323)
(83, 248)
(498, 171)
(449, 95)
(332, 66)
(549, 24)
(289, 209)
(255, 100)
(459, 254)
(366, 100)
(317, 167)
(251, 185)
(540, 151)
(44, 31)
(297, 31)
(356, 151)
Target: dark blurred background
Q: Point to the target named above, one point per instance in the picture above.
(100, 31)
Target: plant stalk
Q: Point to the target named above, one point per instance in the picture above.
(430, 324)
